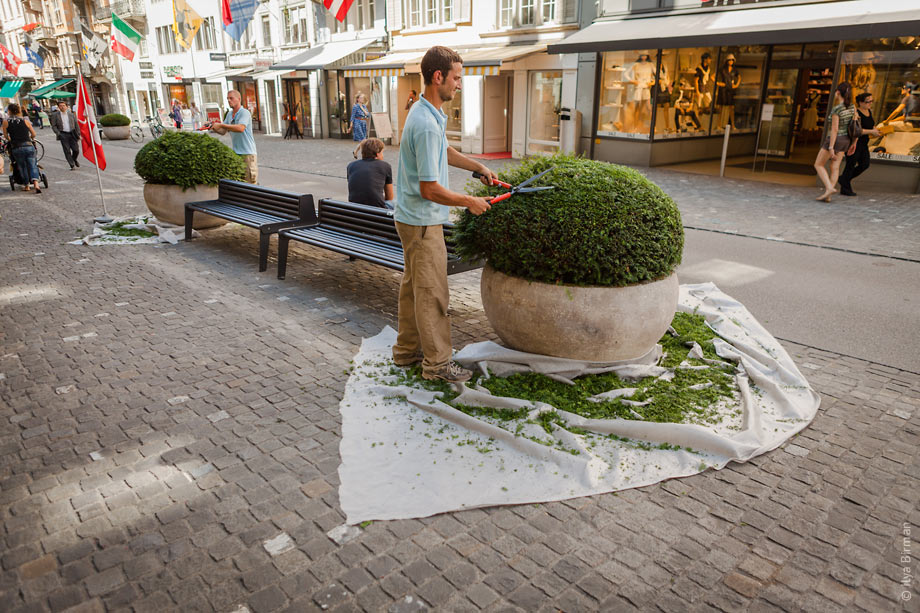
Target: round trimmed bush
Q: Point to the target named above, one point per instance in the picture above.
(602, 225)
(113, 120)
(187, 159)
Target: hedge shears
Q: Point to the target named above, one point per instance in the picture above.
(517, 189)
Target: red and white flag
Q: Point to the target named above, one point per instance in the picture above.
(339, 8)
(89, 131)
(10, 61)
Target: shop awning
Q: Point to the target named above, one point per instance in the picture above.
(489, 60)
(392, 65)
(801, 23)
(218, 77)
(10, 88)
(44, 89)
(322, 56)
(58, 94)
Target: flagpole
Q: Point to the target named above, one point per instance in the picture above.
(105, 217)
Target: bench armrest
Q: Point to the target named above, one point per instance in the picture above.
(296, 224)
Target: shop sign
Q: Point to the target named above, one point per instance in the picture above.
(766, 112)
(146, 74)
(218, 57)
(173, 72)
(145, 65)
(261, 63)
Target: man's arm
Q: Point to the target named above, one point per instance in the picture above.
(458, 160)
(222, 128)
(437, 193)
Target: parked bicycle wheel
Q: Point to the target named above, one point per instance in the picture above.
(137, 134)
(39, 150)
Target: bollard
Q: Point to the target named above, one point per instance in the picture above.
(728, 131)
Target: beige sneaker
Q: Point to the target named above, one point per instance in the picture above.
(450, 372)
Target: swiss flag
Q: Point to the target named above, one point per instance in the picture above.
(338, 7)
(89, 131)
(10, 61)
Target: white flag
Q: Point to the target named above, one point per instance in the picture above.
(93, 46)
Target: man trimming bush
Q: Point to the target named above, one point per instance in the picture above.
(240, 128)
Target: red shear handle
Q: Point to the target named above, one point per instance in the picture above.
(500, 197)
(478, 175)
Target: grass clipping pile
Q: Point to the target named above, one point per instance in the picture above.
(529, 428)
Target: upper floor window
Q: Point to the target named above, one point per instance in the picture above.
(425, 13)
(294, 22)
(266, 31)
(512, 13)
(246, 41)
(361, 15)
(206, 37)
(166, 40)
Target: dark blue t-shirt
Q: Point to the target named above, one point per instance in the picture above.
(366, 181)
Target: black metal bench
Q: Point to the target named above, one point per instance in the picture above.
(359, 231)
(269, 210)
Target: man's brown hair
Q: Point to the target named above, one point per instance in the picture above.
(438, 58)
(370, 147)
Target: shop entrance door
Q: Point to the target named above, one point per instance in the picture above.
(496, 115)
(800, 92)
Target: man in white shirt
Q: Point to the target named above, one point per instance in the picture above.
(64, 124)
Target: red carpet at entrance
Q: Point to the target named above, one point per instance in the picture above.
(501, 155)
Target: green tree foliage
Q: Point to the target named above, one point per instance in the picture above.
(602, 225)
(187, 159)
(113, 120)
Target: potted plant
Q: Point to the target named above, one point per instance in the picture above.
(115, 126)
(180, 167)
(582, 271)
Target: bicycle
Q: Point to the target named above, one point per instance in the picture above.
(156, 127)
(137, 132)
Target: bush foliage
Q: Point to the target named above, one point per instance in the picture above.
(186, 159)
(113, 120)
(602, 225)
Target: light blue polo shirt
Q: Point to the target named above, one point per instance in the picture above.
(242, 142)
(422, 157)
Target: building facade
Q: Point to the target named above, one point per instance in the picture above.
(660, 80)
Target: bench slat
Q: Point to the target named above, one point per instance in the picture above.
(221, 209)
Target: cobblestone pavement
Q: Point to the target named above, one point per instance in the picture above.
(167, 411)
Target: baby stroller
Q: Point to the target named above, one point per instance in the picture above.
(15, 174)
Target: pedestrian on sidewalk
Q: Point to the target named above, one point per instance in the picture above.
(422, 201)
(370, 179)
(196, 116)
(176, 114)
(35, 110)
(240, 128)
(858, 153)
(64, 125)
(837, 140)
(19, 133)
(359, 117)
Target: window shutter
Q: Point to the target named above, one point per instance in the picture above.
(568, 11)
(394, 15)
(466, 11)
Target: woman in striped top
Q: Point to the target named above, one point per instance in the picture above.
(837, 140)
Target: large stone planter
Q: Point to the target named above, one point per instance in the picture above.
(116, 132)
(167, 203)
(598, 324)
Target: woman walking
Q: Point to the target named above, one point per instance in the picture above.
(837, 140)
(19, 132)
(177, 114)
(359, 117)
(858, 153)
(196, 116)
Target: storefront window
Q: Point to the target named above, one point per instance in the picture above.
(889, 69)
(686, 91)
(627, 82)
(454, 111)
(738, 85)
(545, 100)
(211, 94)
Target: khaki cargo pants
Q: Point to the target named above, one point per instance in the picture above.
(423, 296)
(252, 169)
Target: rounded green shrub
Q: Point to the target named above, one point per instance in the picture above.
(186, 159)
(602, 225)
(113, 120)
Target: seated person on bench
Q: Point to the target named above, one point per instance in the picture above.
(370, 179)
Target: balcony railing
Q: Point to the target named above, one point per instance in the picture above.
(126, 9)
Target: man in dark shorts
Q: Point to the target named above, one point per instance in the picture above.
(370, 179)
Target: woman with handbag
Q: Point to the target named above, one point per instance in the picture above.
(840, 136)
(359, 116)
(858, 153)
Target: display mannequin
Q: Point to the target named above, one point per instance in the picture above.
(728, 80)
(909, 105)
(702, 97)
(665, 92)
(640, 76)
(685, 116)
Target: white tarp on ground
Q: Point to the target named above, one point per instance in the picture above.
(163, 232)
(407, 454)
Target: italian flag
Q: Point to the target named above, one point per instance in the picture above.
(125, 39)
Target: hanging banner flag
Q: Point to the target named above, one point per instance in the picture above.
(10, 61)
(339, 8)
(241, 12)
(34, 51)
(89, 131)
(93, 47)
(186, 23)
(125, 40)
(225, 13)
